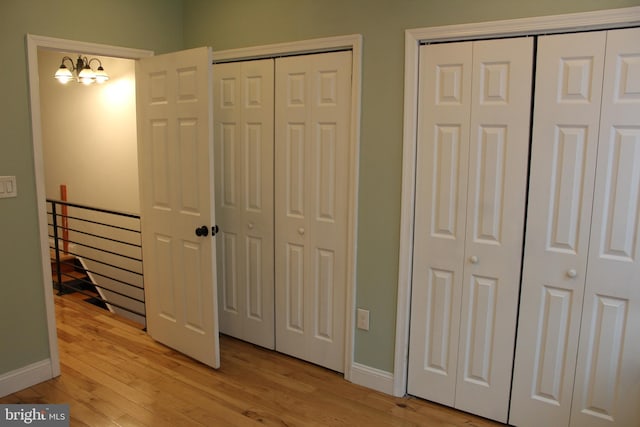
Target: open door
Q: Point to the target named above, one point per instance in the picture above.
(175, 152)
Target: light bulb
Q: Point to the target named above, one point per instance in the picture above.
(86, 76)
(101, 75)
(63, 75)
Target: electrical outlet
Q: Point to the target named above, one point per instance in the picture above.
(363, 319)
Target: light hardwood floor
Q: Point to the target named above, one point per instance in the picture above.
(114, 374)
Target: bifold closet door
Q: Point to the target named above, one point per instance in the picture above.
(243, 122)
(607, 385)
(563, 159)
(312, 125)
(578, 343)
(473, 144)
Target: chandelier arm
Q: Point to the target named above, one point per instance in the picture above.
(94, 59)
(66, 58)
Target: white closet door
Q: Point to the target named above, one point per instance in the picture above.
(312, 132)
(498, 160)
(440, 214)
(607, 387)
(563, 158)
(243, 120)
(471, 188)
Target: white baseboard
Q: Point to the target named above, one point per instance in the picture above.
(373, 378)
(25, 377)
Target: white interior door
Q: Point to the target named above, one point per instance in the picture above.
(175, 155)
(563, 159)
(607, 386)
(470, 197)
(312, 125)
(243, 123)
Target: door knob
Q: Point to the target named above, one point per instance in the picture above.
(474, 259)
(202, 231)
(572, 273)
(301, 231)
(250, 226)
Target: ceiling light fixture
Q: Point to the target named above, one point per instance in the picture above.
(81, 71)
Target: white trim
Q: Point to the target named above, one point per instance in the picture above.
(33, 44)
(80, 47)
(584, 21)
(354, 43)
(373, 378)
(604, 19)
(325, 44)
(405, 256)
(25, 377)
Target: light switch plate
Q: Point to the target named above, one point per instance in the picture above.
(8, 187)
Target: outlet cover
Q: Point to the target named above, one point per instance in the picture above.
(362, 321)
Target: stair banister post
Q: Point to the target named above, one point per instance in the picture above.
(56, 246)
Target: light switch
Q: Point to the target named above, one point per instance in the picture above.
(8, 187)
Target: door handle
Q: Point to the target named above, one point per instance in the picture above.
(214, 230)
(202, 231)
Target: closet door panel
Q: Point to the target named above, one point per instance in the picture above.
(563, 157)
(607, 387)
(227, 123)
(243, 121)
(441, 188)
(498, 159)
(312, 133)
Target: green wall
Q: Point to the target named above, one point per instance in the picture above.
(144, 24)
(225, 24)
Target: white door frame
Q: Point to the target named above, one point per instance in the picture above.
(604, 19)
(328, 44)
(33, 43)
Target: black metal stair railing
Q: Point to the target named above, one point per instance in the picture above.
(105, 247)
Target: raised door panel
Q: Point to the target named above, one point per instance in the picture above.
(496, 197)
(441, 188)
(313, 101)
(607, 385)
(563, 158)
(243, 123)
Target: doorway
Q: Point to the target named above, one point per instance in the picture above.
(90, 156)
(34, 44)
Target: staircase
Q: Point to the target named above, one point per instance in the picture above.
(71, 273)
(111, 268)
(74, 278)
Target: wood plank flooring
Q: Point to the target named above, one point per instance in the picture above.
(113, 374)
